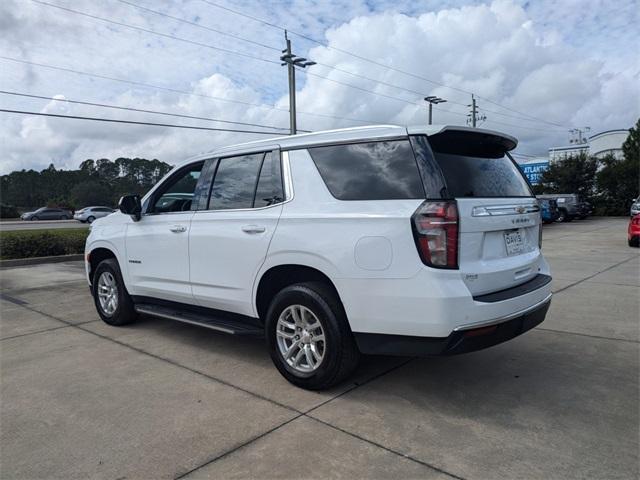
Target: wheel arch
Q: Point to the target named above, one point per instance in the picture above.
(98, 252)
(278, 277)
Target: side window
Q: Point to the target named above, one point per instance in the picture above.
(177, 194)
(235, 182)
(269, 191)
(369, 171)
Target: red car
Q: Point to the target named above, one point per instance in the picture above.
(634, 231)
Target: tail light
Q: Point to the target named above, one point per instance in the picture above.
(540, 234)
(435, 229)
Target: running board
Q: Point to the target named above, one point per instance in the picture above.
(219, 323)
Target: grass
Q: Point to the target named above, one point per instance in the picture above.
(42, 242)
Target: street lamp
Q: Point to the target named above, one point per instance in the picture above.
(431, 100)
(292, 61)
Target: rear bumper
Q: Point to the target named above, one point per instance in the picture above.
(461, 340)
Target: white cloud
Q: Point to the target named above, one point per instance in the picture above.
(512, 53)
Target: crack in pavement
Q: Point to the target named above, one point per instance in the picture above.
(595, 274)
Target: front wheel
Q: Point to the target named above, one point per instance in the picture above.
(112, 300)
(309, 338)
(91, 219)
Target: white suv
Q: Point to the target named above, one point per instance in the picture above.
(375, 240)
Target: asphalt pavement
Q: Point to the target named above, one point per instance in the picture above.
(10, 225)
(81, 399)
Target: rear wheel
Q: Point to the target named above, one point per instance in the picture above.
(309, 338)
(563, 216)
(110, 296)
(634, 242)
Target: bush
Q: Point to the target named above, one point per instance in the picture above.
(42, 243)
(8, 211)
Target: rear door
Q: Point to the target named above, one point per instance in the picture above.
(499, 216)
(229, 238)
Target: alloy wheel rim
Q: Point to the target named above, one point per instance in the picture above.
(108, 293)
(300, 338)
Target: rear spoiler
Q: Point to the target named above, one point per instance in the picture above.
(474, 142)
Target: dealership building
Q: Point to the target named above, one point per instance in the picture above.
(598, 145)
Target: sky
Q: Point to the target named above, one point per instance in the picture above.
(537, 68)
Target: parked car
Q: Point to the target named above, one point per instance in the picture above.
(635, 207)
(376, 240)
(89, 214)
(46, 213)
(549, 210)
(569, 205)
(633, 232)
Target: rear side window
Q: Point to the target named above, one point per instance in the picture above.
(235, 182)
(469, 176)
(369, 171)
(269, 190)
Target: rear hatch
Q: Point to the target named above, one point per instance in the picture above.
(499, 218)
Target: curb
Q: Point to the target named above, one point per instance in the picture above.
(21, 262)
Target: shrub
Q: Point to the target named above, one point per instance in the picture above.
(42, 243)
(8, 211)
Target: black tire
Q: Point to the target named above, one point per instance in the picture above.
(564, 217)
(634, 242)
(124, 313)
(91, 219)
(341, 354)
(62, 217)
(34, 218)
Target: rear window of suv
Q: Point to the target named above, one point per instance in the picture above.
(384, 170)
(469, 176)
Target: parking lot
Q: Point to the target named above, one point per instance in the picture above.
(164, 400)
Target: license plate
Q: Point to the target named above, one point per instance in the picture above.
(514, 241)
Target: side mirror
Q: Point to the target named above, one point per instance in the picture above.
(130, 205)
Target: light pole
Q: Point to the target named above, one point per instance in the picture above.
(431, 100)
(292, 61)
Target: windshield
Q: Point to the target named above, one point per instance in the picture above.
(469, 176)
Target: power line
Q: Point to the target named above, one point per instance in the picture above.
(132, 122)
(178, 91)
(374, 62)
(238, 37)
(332, 67)
(153, 32)
(194, 24)
(131, 109)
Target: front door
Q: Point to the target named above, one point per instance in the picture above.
(157, 246)
(229, 239)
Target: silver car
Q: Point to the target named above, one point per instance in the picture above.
(89, 214)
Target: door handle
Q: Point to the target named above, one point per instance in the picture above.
(253, 229)
(178, 229)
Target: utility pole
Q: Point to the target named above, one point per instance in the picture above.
(473, 116)
(576, 135)
(431, 100)
(474, 111)
(292, 61)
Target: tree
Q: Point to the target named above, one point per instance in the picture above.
(95, 182)
(92, 192)
(575, 174)
(618, 182)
